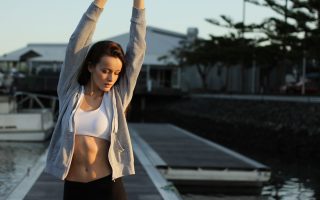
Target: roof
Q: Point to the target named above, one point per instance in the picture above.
(38, 52)
(159, 43)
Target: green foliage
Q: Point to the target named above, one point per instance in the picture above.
(282, 41)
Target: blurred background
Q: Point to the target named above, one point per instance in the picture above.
(244, 74)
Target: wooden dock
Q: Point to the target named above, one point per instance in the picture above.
(169, 161)
(197, 165)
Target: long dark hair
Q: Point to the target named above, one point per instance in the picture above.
(98, 50)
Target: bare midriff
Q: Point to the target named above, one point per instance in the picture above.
(90, 159)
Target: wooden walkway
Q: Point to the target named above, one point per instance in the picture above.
(179, 149)
(166, 158)
(196, 165)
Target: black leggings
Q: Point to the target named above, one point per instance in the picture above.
(100, 189)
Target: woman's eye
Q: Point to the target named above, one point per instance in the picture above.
(107, 71)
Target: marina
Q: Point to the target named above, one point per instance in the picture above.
(222, 103)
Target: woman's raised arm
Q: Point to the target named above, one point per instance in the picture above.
(135, 52)
(78, 45)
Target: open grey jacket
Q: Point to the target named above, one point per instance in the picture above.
(70, 94)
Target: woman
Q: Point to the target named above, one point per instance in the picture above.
(90, 148)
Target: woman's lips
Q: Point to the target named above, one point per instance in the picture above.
(107, 85)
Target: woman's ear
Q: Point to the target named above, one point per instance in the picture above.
(90, 66)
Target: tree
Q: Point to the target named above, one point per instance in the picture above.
(299, 30)
(195, 53)
(281, 44)
(206, 54)
(289, 38)
(244, 47)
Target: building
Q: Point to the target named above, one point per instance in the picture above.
(155, 74)
(34, 57)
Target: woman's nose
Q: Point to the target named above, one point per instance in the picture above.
(110, 77)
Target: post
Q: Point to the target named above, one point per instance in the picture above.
(143, 106)
(243, 17)
(304, 63)
(253, 83)
(148, 80)
(179, 77)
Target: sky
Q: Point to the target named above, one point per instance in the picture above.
(43, 21)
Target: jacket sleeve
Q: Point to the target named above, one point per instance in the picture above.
(77, 48)
(134, 56)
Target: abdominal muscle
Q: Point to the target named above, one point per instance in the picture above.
(90, 159)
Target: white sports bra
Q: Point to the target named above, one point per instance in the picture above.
(96, 122)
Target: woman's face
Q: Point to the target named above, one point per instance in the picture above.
(106, 72)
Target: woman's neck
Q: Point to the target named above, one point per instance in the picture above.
(96, 92)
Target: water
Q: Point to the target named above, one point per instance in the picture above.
(16, 158)
(292, 189)
(291, 180)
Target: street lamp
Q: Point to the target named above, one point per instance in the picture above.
(243, 16)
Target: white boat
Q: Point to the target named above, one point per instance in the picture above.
(24, 124)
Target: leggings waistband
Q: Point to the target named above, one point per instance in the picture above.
(103, 179)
